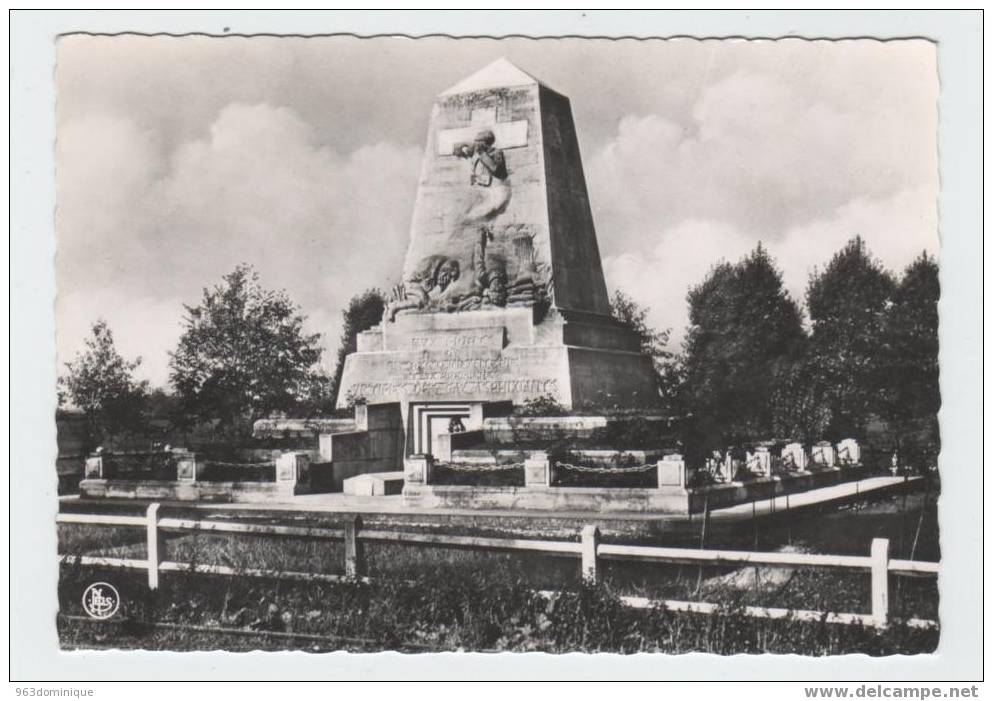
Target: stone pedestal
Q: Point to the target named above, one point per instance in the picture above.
(417, 469)
(294, 468)
(499, 355)
(672, 472)
(537, 471)
(94, 467)
(187, 467)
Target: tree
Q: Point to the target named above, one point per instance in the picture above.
(363, 312)
(243, 354)
(910, 396)
(848, 305)
(745, 333)
(654, 344)
(101, 383)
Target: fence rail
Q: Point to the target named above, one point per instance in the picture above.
(588, 548)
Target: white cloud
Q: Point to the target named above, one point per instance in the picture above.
(759, 153)
(760, 159)
(147, 226)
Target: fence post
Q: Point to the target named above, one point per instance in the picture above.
(589, 540)
(880, 555)
(354, 549)
(155, 545)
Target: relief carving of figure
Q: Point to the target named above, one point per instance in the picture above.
(433, 272)
(488, 178)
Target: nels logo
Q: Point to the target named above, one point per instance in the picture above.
(101, 600)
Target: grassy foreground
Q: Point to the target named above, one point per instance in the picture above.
(459, 607)
(430, 598)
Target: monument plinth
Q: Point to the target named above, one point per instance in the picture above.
(502, 296)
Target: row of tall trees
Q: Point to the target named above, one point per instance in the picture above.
(751, 369)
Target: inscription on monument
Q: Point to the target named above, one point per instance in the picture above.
(442, 340)
(452, 374)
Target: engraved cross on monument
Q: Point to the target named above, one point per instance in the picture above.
(509, 134)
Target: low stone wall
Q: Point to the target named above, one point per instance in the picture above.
(290, 476)
(223, 492)
(562, 499)
(671, 496)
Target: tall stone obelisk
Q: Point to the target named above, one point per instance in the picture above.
(502, 296)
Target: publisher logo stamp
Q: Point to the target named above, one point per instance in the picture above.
(101, 600)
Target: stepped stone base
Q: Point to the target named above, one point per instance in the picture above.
(499, 355)
(378, 484)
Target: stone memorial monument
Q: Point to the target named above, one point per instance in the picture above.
(849, 452)
(502, 296)
(794, 457)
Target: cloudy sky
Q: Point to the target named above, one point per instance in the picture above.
(178, 158)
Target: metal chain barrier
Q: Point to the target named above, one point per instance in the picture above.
(590, 469)
(218, 463)
(469, 467)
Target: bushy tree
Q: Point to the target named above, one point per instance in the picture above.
(101, 383)
(910, 394)
(848, 303)
(745, 334)
(243, 354)
(654, 345)
(363, 312)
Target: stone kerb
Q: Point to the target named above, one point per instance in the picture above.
(537, 470)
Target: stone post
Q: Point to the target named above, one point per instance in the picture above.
(94, 467)
(417, 469)
(361, 417)
(442, 448)
(187, 467)
(293, 467)
(672, 472)
(537, 470)
(324, 446)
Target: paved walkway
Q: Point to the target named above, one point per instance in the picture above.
(341, 503)
(813, 497)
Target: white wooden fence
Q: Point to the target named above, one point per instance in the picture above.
(588, 549)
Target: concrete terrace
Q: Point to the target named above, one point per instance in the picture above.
(338, 503)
